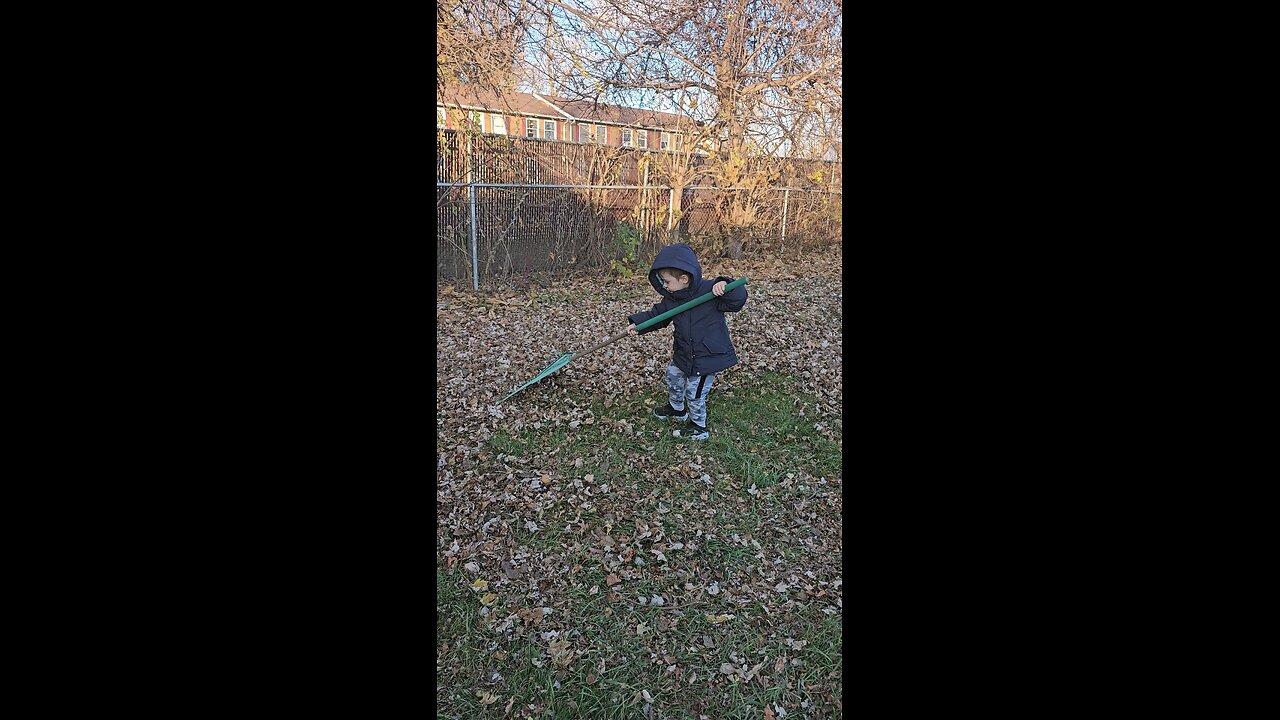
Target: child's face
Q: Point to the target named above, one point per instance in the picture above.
(673, 282)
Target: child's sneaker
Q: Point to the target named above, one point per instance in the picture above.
(693, 430)
(670, 413)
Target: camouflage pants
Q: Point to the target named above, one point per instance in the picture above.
(691, 389)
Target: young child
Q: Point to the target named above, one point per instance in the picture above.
(702, 347)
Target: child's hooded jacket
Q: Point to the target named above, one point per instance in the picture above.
(702, 344)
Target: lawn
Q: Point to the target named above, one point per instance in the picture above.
(590, 564)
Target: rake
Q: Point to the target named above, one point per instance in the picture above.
(565, 358)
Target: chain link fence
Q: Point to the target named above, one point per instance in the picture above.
(509, 205)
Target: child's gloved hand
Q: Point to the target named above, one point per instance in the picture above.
(718, 288)
(631, 330)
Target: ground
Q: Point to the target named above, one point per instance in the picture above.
(589, 564)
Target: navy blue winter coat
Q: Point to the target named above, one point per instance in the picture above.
(702, 344)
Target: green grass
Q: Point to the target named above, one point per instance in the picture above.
(758, 438)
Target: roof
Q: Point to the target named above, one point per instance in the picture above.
(619, 114)
(516, 103)
(519, 103)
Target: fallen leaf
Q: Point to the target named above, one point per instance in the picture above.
(612, 579)
(561, 652)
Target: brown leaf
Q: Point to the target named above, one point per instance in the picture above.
(612, 579)
(561, 652)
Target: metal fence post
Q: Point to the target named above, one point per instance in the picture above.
(475, 253)
(786, 194)
(644, 196)
(471, 196)
(671, 208)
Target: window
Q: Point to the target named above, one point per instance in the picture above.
(679, 143)
(642, 138)
(664, 142)
(476, 119)
(626, 137)
(530, 127)
(549, 129)
(602, 134)
(584, 133)
(439, 117)
(498, 123)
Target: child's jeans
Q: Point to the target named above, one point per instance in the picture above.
(690, 388)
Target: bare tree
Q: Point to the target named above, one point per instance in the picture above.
(754, 73)
(480, 43)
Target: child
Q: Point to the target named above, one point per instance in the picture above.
(702, 346)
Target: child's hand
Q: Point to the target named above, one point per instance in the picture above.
(631, 330)
(718, 288)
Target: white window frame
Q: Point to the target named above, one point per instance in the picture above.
(553, 130)
(664, 141)
(642, 139)
(530, 132)
(679, 142)
(496, 120)
(476, 117)
(626, 137)
(602, 134)
(585, 130)
(440, 117)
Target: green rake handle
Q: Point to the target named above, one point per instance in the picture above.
(670, 313)
(692, 303)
